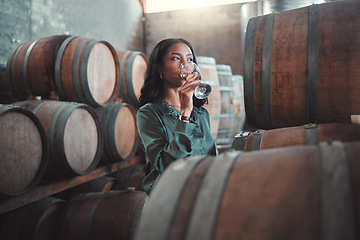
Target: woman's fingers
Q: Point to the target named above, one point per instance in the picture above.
(190, 85)
(186, 95)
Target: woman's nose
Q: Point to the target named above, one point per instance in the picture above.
(185, 63)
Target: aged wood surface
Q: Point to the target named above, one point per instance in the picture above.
(51, 188)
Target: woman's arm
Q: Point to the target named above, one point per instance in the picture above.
(162, 147)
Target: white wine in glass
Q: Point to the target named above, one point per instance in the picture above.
(187, 71)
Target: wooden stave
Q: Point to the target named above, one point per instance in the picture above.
(114, 203)
(309, 134)
(233, 221)
(208, 71)
(310, 103)
(54, 124)
(45, 150)
(108, 116)
(127, 93)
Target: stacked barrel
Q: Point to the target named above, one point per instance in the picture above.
(64, 114)
(24, 150)
(209, 74)
(297, 175)
(239, 106)
(225, 103)
(301, 76)
(77, 83)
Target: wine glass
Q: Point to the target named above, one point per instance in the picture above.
(187, 71)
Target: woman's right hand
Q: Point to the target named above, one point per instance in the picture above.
(186, 93)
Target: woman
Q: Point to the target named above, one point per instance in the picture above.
(172, 123)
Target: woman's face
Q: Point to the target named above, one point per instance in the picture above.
(175, 55)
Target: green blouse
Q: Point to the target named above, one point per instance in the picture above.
(164, 138)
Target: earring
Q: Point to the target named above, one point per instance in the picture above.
(161, 76)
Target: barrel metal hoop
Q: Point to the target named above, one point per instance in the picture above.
(90, 218)
(37, 108)
(129, 79)
(256, 142)
(214, 84)
(249, 59)
(6, 74)
(6, 108)
(215, 118)
(312, 63)
(59, 55)
(311, 134)
(104, 123)
(176, 175)
(69, 212)
(11, 71)
(187, 200)
(338, 219)
(266, 69)
(226, 89)
(75, 70)
(25, 67)
(111, 125)
(55, 139)
(208, 200)
(117, 66)
(224, 73)
(240, 141)
(227, 115)
(34, 214)
(123, 86)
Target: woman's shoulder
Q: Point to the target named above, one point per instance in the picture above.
(146, 114)
(150, 108)
(147, 109)
(147, 106)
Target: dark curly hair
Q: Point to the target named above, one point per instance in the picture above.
(153, 86)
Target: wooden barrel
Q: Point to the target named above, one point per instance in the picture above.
(277, 194)
(36, 221)
(76, 68)
(101, 184)
(121, 140)
(301, 66)
(134, 181)
(209, 73)
(109, 215)
(87, 71)
(133, 66)
(24, 150)
(74, 136)
(6, 95)
(239, 106)
(31, 67)
(131, 177)
(309, 134)
(224, 135)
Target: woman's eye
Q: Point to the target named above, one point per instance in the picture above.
(190, 59)
(175, 58)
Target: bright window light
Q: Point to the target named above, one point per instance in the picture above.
(170, 5)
